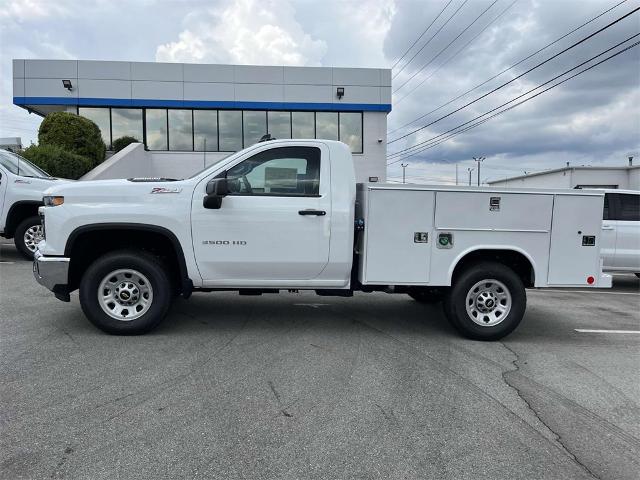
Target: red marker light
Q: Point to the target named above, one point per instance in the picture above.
(590, 280)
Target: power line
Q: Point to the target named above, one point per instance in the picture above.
(515, 105)
(509, 68)
(417, 145)
(432, 37)
(445, 48)
(448, 60)
(421, 35)
(518, 76)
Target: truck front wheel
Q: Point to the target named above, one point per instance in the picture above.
(486, 302)
(126, 292)
(27, 236)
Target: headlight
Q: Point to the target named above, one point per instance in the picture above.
(52, 201)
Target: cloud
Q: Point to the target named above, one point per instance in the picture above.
(244, 32)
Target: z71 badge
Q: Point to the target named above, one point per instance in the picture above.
(166, 190)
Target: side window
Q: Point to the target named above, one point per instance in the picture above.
(605, 213)
(629, 207)
(286, 171)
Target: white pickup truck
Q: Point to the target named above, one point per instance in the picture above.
(621, 231)
(21, 187)
(287, 215)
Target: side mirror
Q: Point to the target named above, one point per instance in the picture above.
(218, 187)
(216, 190)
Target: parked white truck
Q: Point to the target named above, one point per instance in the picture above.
(286, 215)
(21, 187)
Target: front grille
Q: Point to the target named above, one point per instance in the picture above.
(44, 230)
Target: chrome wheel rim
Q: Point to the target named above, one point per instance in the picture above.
(488, 302)
(32, 236)
(125, 294)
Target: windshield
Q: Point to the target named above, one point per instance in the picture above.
(20, 166)
(209, 166)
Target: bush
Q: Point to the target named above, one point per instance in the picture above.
(57, 161)
(73, 133)
(122, 142)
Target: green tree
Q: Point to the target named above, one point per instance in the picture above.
(57, 161)
(73, 133)
(122, 142)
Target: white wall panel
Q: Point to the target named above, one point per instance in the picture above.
(104, 89)
(18, 69)
(51, 69)
(156, 71)
(308, 93)
(157, 90)
(358, 95)
(104, 70)
(356, 76)
(307, 75)
(258, 74)
(259, 92)
(48, 87)
(18, 87)
(224, 92)
(208, 73)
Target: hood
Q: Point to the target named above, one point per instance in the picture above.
(117, 190)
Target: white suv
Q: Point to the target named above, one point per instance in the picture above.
(621, 231)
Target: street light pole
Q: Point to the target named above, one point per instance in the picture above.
(478, 160)
(470, 169)
(404, 166)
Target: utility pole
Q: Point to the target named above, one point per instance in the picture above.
(470, 169)
(456, 173)
(404, 166)
(478, 160)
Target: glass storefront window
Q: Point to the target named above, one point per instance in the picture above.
(230, 130)
(327, 125)
(156, 129)
(279, 124)
(180, 130)
(351, 130)
(302, 124)
(255, 126)
(205, 130)
(126, 122)
(99, 116)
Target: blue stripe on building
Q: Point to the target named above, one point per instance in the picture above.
(141, 102)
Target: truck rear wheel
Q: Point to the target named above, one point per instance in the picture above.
(27, 236)
(486, 302)
(126, 292)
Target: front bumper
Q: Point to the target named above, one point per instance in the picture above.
(53, 273)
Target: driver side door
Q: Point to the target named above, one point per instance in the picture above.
(273, 227)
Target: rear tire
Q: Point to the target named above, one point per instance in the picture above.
(126, 292)
(486, 302)
(27, 235)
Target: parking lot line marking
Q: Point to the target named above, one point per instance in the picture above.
(7, 263)
(588, 330)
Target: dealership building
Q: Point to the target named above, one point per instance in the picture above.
(188, 116)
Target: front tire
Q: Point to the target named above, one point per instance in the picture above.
(486, 302)
(27, 236)
(126, 292)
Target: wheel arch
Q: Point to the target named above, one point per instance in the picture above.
(97, 234)
(18, 212)
(513, 257)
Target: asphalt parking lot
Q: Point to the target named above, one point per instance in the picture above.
(297, 386)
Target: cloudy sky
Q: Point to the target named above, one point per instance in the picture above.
(592, 119)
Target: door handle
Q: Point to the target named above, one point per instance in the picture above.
(607, 228)
(319, 213)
